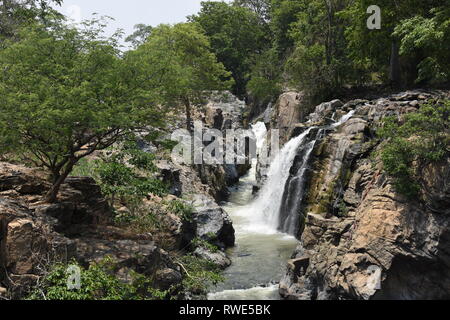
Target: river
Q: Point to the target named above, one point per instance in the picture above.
(261, 253)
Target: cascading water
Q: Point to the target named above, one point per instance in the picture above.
(261, 249)
(291, 204)
(266, 208)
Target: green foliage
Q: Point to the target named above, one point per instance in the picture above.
(260, 7)
(97, 283)
(125, 174)
(430, 36)
(265, 83)
(14, 14)
(176, 62)
(181, 208)
(319, 61)
(67, 93)
(421, 138)
(197, 242)
(417, 25)
(283, 16)
(343, 210)
(140, 35)
(236, 34)
(200, 274)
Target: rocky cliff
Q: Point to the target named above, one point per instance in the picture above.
(360, 239)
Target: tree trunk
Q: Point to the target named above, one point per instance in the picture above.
(394, 74)
(187, 104)
(58, 180)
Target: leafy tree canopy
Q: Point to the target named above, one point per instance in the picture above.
(67, 93)
(236, 35)
(177, 63)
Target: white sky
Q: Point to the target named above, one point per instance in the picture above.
(128, 13)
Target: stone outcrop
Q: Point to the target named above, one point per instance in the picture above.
(213, 223)
(35, 235)
(291, 108)
(219, 258)
(360, 239)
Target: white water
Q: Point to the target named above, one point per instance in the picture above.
(264, 211)
(261, 252)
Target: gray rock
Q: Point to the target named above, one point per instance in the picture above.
(213, 223)
(219, 258)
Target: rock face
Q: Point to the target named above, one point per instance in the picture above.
(359, 238)
(291, 108)
(27, 244)
(213, 223)
(34, 235)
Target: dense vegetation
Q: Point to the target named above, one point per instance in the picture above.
(421, 138)
(69, 92)
(99, 283)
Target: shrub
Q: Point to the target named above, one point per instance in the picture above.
(197, 242)
(200, 274)
(422, 138)
(181, 209)
(97, 283)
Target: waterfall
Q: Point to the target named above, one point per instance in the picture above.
(277, 206)
(260, 131)
(289, 213)
(265, 209)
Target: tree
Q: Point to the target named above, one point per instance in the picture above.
(284, 13)
(260, 7)
(429, 35)
(319, 63)
(140, 35)
(379, 50)
(14, 13)
(237, 36)
(266, 78)
(177, 63)
(65, 94)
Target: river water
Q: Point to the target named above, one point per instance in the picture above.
(261, 253)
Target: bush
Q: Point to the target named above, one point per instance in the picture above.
(421, 138)
(125, 174)
(97, 283)
(181, 209)
(200, 243)
(200, 274)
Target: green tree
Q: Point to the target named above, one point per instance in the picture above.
(65, 94)
(14, 13)
(319, 62)
(266, 79)
(429, 35)
(379, 50)
(284, 13)
(237, 35)
(178, 64)
(260, 7)
(140, 35)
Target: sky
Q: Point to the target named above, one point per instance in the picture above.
(128, 13)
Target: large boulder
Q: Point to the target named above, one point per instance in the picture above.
(213, 223)
(291, 108)
(28, 244)
(128, 257)
(219, 258)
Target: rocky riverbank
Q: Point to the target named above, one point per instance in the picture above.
(80, 226)
(360, 239)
